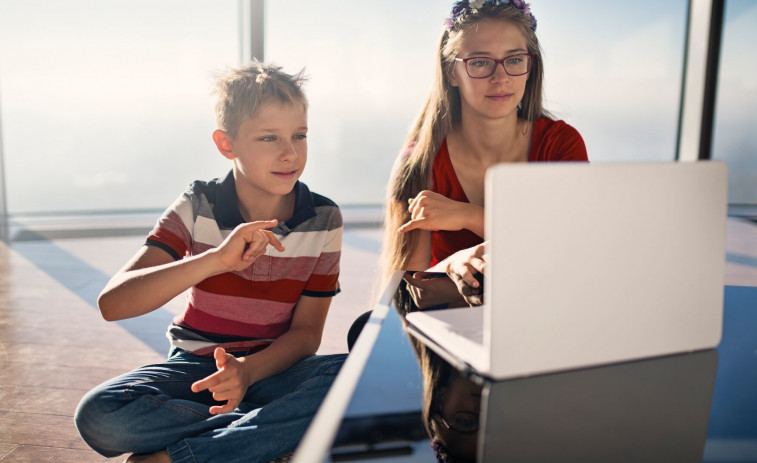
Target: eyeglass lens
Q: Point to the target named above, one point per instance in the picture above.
(515, 65)
(465, 422)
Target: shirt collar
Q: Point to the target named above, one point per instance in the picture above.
(226, 207)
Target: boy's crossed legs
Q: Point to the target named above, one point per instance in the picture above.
(152, 408)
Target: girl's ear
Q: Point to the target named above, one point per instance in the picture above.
(452, 78)
(223, 143)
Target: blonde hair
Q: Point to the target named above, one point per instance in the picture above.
(442, 111)
(241, 91)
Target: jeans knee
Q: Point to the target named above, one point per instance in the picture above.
(89, 418)
(94, 420)
(333, 364)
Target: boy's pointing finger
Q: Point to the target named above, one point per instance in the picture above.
(273, 240)
(262, 224)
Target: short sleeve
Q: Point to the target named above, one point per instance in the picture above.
(173, 231)
(324, 280)
(556, 141)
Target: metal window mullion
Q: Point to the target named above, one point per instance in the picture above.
(251, 30)
(4, 232)
(702, 54)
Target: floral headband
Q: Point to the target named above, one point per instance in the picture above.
(463, 7)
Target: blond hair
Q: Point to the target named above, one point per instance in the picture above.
(241, 91)
(441, 112)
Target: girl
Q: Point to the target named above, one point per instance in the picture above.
(485, 108)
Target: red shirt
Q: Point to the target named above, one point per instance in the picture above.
(551, 141)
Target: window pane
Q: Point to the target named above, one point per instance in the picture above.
(613, 70)
(106, 99)
(735, 138)
(106, 104)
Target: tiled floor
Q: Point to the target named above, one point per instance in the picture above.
(54, 346)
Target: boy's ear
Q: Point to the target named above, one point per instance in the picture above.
(223, 143)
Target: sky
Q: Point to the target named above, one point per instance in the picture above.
(107, 105)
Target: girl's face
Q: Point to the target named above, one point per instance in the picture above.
(497, 96)
(461, 397)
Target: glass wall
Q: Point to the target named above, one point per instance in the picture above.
(735, 137)
(613, 73)
(106, 105)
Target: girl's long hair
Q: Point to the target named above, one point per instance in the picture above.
(411, 173)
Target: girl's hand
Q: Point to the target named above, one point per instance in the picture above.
(245, 244)
(428, 289)
(432, 211)
(463, 267)
(229, 383)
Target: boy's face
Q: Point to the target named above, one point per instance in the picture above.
(271, 149)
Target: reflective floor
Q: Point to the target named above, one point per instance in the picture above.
(54, 346)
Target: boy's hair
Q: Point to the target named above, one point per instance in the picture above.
(241, 91)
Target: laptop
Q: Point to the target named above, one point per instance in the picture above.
(653, 410)
(591, 264)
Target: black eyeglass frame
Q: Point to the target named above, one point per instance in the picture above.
(531, 58)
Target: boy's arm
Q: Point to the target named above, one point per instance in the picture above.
(234, 375)
(301, 340)
(152, 277)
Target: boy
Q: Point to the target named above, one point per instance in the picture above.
(259, 254)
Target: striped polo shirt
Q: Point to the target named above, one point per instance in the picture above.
(247, 310)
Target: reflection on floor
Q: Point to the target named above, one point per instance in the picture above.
(54, 346)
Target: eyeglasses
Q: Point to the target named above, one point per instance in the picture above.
(481, 67)
(462, 422)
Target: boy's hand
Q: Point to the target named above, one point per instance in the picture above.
(228, 383)
(246, 243)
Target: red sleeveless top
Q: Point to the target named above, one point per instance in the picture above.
(551, 141)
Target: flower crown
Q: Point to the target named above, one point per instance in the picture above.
(463, 7)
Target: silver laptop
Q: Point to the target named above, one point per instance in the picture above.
(591, 264)
(653, 410)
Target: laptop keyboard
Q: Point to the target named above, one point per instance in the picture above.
(474, 333)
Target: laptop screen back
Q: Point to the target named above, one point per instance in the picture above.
(595, 264)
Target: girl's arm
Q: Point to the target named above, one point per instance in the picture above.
(433, 211)
(152, 277)
(420, 255)
(235, 375)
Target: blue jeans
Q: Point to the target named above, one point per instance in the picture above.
(152, 408)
